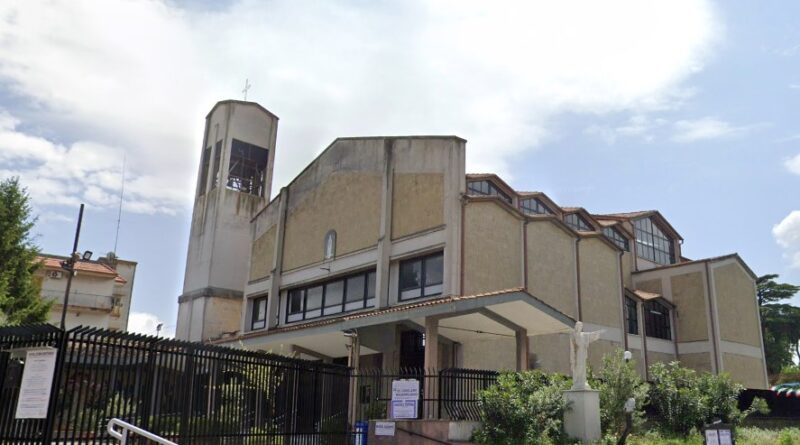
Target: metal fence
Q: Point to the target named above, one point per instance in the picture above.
(444, 394)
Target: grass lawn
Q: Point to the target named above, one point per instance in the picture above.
(744, 436)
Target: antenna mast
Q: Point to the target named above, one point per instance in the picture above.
(121, 194)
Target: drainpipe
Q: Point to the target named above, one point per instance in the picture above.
(714, 350)
(578, 277)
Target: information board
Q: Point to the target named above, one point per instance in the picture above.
(37, 382)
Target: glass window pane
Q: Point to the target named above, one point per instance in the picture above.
(334, 293)
(371, 285)
(355, 288)
(295, 301)
(433, 270)
(313, 298)
(261, 308)
(410, 274)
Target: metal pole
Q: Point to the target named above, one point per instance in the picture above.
(71, 270)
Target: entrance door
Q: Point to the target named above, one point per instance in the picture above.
(412, 350)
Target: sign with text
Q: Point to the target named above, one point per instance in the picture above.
(404, 409)
(718, 434)
(406, 389)
(384, 428)
(37, 382)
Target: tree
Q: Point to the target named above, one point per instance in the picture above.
(20, 301)
(780, 322)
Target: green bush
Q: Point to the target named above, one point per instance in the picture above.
(618, 381)
(523, 408)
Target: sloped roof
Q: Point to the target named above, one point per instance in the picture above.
(93, 267)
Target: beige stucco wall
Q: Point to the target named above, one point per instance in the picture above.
(655, 357)
(688, 295)
(700, 361)
(551, 266)
(599, 349)
(492, 248)
(551, 352)
(496, 355)
(637, 360)
(749, 371)
(220, 315)
(347, 202)
(600, 286)
(736, 305)
(417, 203)
(653, 286)
(262, 255)
(627, 268)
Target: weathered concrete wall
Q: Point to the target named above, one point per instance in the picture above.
(655, 357)
(653, 286)
(700, 361)
(261, 257)
(492, 248)
(552, 265)
(417, 202)
(490, 354)
(598, 350)
(551, 352)
(600, 283)
(689, 297)
(736, 305)
(749, 371)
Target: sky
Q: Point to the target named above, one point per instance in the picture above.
(688, 107)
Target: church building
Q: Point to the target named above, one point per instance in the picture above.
(384, 252)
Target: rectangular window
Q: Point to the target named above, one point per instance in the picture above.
(217, 158)
(652, 243)
(204, 172)
(247, 169)
(421, 277)
(534, 206)
(486, 188)
(259, 317)
(632, 316)
(331, 297)
(657, 320)
(617, 238)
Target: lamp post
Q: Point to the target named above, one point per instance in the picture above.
(630, 406)
(69, 266)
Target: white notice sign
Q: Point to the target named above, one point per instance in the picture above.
(725, 437)
(404, 409)
(406, 389)
(384, 428)
(712, 437)
(37, 381)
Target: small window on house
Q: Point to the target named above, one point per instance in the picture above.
(259, 317)
(248, 166)
(330, 244)
(657, 320)
(204, 171)
(652, 243)
(617, 238)
(217, 158)
(577, 222)
(534, 206)
(421, 277)
(486, 188)
(632, 316)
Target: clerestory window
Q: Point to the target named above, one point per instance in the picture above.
(577, 222)
(652, 243)
(534, 206)
(617, 238)
(486, 188)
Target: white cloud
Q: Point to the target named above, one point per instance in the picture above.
(639, 125)
(793, 164)
(787, 235)
(140, 76)
(145, 323)
(708, 128)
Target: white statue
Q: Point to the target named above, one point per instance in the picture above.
(578, 346)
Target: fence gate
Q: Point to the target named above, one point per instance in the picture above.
(186, 392)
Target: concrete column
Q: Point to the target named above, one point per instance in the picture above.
(353, 359)
(523, 349)
(385, 229)
(431, 366)
(273, 302)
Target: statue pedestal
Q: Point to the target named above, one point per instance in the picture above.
(582, 418)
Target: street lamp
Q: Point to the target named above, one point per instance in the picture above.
(629, 407)
(69, 266)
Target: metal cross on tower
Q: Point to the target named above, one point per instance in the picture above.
(246, 87)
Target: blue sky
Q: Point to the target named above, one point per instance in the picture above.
(688, 107)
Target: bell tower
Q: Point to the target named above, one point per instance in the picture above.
(234, 181)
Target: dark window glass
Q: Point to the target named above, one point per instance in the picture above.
(204, 171)
(421, 277)
(657, 320)
(259, 317)
(247, 169)
(652, 243)
(617, 238)
(534, 206)
(576, 222)
(486, 188)
(632, 316)
(332, 297)
(217, 157)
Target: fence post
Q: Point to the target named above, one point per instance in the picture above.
(189, 390)
(54, 391)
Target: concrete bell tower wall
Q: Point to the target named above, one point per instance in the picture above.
(228, 194)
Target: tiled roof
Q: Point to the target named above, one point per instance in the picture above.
(624, 215)
(84, 266)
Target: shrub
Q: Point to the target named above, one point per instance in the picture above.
(523, 408)
(618, 381)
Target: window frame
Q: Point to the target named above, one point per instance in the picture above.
(631, 322)
(528, 210)
(491, 189)
(423, 285)
(247, 162)
(254, 313)
(580, 221)
(650, 238)
(365, 302)
(204, 166)
(657, 325)
(616, 237)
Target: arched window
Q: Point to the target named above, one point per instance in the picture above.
(330, 245)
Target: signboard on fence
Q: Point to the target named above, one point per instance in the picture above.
(405, 399)
(37, 382)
